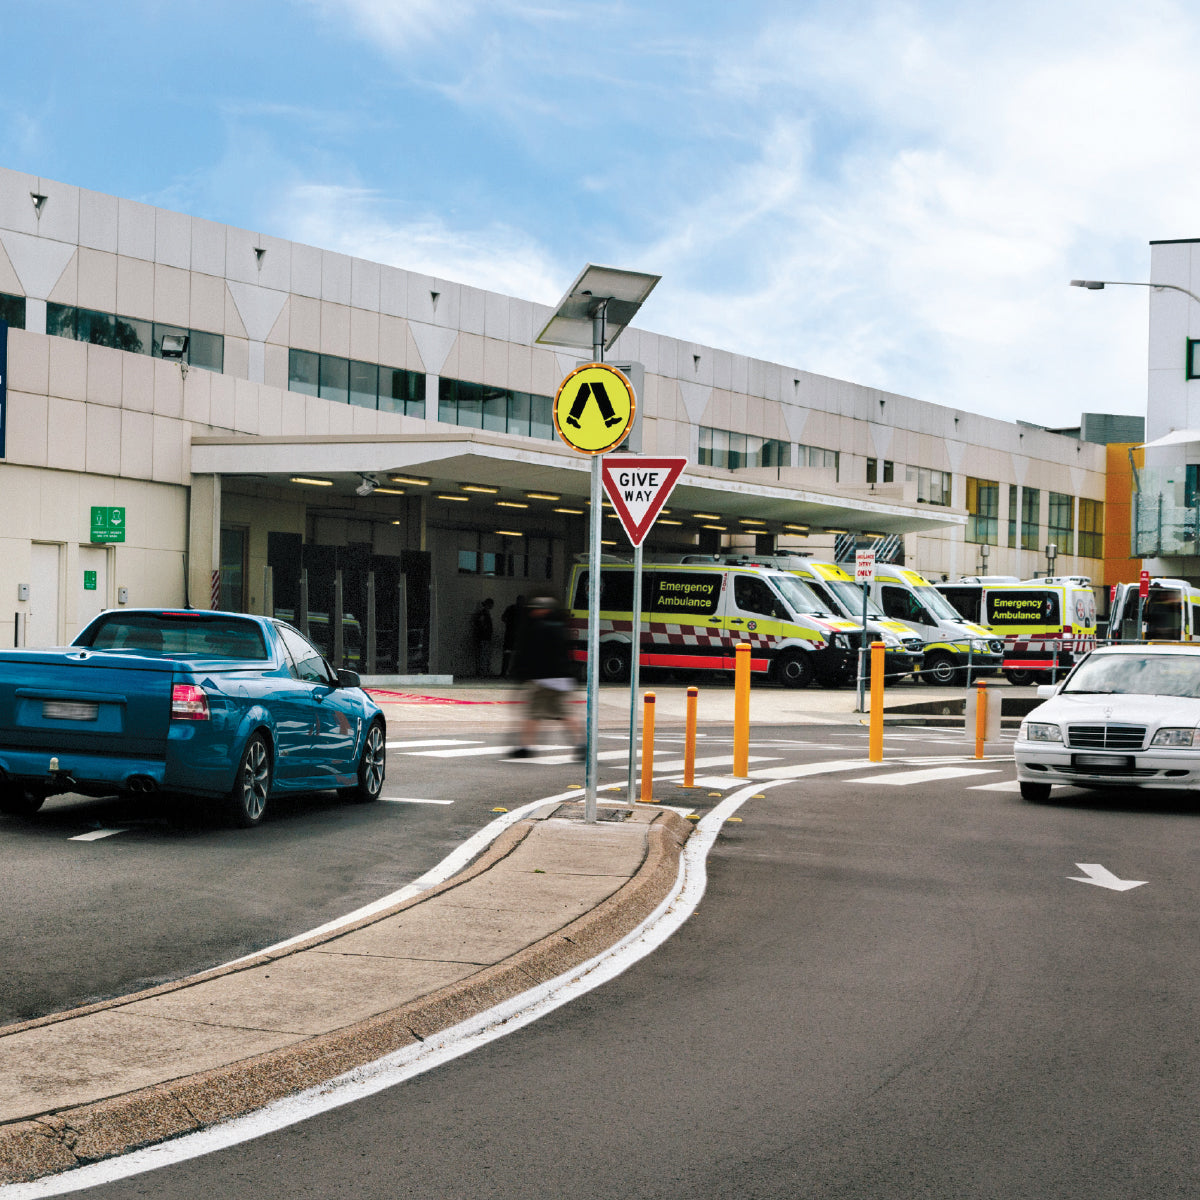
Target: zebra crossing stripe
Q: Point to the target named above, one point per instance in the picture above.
(931, 775)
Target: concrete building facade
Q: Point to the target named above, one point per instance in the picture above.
(385, 437)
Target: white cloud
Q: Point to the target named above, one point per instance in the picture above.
(353, 221)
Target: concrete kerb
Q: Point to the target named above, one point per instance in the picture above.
(48, 1142)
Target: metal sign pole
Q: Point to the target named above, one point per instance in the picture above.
(593, 636)
(635, 655)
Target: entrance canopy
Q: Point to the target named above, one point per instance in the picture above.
(760, 500)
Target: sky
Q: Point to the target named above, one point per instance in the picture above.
(895, 194)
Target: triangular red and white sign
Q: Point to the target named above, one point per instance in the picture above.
(638, 488)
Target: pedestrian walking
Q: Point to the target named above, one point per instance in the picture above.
(542, 661)
(481, 637)
(511, 618)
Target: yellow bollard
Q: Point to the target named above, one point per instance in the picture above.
(981, 703)
(876, 739)
(689, 742)
(741, 711)
(647, 796)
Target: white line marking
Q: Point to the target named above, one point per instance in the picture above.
(480, 750)
(451, 1043)
(1009, 786)
(411, 800)
(430, 742)
(933, 774)
(801, 771)
(96, 835)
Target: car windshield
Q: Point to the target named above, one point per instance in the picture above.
(851, 595)
(1137, 675)
(799, 595)
(938, 604)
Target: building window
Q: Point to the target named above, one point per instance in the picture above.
(889, 471)
(205, 350)
(1091, 528)
(724, 448)
(933, 487)
(817, 456)
(12, 310)
(348, 381)
(481, 406)
(983, 507)
(233, 569)
(1060, 521)
(1031, 500)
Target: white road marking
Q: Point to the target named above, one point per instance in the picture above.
(96, 835)
(932, 775)
(801, 771)
(478, 1031)
(411, 800)
(1101, 876)
(480, 751)
(1010, 785)
(431, 742)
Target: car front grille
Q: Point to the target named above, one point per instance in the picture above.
(1106, 737)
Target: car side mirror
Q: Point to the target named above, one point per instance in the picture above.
(1046, 690)
(348, 679)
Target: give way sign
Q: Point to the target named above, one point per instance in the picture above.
(638, 488)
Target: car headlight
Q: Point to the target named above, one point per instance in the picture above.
(891, 642)
(979, 646)
(1035, 731)
(841, 641)
(1175, 737)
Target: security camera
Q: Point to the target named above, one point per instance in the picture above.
(368, 485)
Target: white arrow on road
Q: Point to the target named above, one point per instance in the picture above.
(1103, 877)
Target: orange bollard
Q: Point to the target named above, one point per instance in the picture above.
(981, 703)
(647, 796)
(875, 752)
(689, 741)
(741, 711)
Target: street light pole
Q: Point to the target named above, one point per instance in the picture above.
(1095, 285)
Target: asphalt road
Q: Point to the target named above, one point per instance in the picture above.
(103, 897)
(891, 989)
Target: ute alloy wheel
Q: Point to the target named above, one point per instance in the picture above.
(371, 767)
(247, 801)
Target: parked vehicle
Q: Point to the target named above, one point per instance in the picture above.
(220, 705)
(1126, 716)
(1170, 612)
(1044, 623)
(693, 616)
(952, 642)
(844, 597)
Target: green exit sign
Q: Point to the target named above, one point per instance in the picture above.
(108, 524)
(89, 581)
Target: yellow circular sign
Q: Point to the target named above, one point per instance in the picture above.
(593, 408)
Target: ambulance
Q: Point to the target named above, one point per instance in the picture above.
(1044, 623)
(694, 615)
(844, 598)
(1170, 612)
(952, 643)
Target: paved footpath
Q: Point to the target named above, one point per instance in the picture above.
(549, 894)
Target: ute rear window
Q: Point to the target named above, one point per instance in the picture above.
(176, 633)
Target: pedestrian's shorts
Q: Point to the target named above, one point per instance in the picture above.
(546, 704)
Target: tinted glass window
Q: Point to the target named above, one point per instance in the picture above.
(303, 368)
(1022, 608)
(752, 594)
(209, 637)
(306, 661)
(697, 592)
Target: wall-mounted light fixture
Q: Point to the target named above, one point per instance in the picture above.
(175, 348)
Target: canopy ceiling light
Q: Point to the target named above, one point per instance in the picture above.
(411, 479)
(311, 482)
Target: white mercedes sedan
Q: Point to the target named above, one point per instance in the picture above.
(1126, 716)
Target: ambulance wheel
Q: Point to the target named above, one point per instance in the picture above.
(1020, 678)
(1035, 793)
(940, 670)
(614, 663)
(19, 801)
(793, 669)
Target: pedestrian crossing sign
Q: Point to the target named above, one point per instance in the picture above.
(594, 408)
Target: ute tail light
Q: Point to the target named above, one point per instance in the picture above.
(188, 703)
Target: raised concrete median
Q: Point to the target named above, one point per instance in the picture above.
(550, 893)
